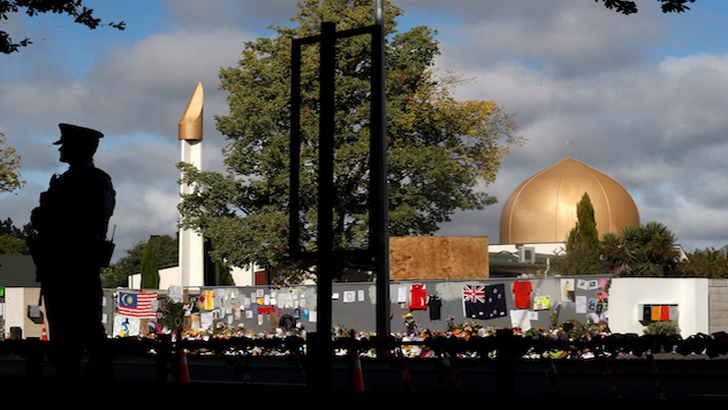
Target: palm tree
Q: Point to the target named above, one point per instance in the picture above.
(660, 245)
(615, 255)
(646, 250)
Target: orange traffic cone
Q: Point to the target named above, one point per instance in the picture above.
(356, 378)
(44, 334)
(182, 373)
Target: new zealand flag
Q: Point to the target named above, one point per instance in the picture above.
(484, 302)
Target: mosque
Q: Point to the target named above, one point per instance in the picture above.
(539, 214)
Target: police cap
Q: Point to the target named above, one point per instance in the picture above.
(74, 132)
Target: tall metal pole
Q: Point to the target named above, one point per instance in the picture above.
(379, 196)
(379, 13)
(295, 159)
(325, 241)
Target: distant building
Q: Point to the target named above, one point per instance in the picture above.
(21, 308)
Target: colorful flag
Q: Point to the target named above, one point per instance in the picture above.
(484, 302)
(474, 294)
(141, 305)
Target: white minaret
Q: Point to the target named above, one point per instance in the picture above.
(191, 243)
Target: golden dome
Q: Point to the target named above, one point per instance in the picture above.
(543, 208)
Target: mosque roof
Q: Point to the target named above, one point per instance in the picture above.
(543, 208)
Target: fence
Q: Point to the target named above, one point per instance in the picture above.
(414, 305)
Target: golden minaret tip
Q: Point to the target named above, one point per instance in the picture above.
(190, 125)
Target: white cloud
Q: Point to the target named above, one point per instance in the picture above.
(658, 128)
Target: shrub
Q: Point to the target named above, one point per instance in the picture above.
(667, 328)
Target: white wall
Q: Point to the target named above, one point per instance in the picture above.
(17, 301)
(15, 309)
(690, 294)
(167, 277)
(171, 276)
(244, 277)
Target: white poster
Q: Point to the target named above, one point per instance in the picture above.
(521, 319)
(581, 304)
(402, 295)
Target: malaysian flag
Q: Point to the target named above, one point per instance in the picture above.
(484, 302)
(141, 305)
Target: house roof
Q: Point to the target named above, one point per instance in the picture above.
(17, 271)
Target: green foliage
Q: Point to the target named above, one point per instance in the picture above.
(666, 328)
(630, 6)
(165, 250)
(9, 165)
(646, 250)
(705, 263)
(582, 247)
(615, 254)
(13, 246)
(225, 276)
(172, 316)
(13, 239)
(440, 150)
(150, 271)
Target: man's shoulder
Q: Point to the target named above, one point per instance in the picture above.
(92, 175)
(102, 179)
(99, 173)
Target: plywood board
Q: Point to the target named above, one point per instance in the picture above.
(438, 257)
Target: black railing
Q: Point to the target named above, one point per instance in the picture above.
(473, 347)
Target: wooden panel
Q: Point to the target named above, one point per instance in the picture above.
(260, 278)
(438, 257)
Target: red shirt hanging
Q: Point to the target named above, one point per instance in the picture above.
(418, 297)
(522, 290)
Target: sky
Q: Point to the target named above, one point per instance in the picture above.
(642, 98)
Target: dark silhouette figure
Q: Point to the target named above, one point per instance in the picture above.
(69, 248)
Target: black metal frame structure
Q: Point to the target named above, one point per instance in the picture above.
(378, 246)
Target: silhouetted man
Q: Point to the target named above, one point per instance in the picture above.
(69, 250)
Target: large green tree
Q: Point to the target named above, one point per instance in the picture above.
(71, 8)
(582, 246)
(441, 151)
